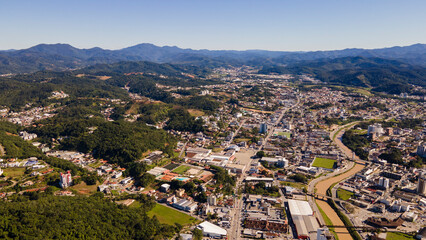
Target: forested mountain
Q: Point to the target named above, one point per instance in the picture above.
(170, 70)
(380, 74)
(63, 56)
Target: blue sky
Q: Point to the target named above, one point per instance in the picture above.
(287, 25)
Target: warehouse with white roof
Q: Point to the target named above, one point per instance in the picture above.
(211, 230)
(303, 218)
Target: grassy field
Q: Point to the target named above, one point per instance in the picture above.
(13, 172)
(95, 164)
(217, 150)
(324, 163)
(181, 169)
(238, 140)
(398, 236)
(343, 194)
(294, 184)
(170, 216)
(84, 189)
(286, 134)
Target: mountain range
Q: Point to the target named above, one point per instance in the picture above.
(59, 57)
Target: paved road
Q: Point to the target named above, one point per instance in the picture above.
(238, 129)
(245, 158)
(183, 150)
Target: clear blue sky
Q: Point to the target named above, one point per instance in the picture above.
(286, 25)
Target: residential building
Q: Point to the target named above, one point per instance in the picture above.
(263, 128)
(65, 179)
(421, 185)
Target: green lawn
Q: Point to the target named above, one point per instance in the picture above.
(294, 184)
(286, 134)
(170, 216)
(324, 163)
(343, 194)
(398, 236)
(13, 172)
(95, 164)
(181, 169)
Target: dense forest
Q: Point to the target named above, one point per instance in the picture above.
(118, 142)
(356, 143)
(17, 91)
(49, 217)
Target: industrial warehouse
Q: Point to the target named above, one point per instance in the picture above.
(303, 218)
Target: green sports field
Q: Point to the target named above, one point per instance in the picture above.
(324, 163)
(170, 216)
(181, 169)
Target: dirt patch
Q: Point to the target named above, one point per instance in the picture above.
(2, 152)
(258, 111)
(103, 78)
(195, 112)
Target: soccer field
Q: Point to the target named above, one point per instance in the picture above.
(181, 169)
(170, 216)
(324, 163)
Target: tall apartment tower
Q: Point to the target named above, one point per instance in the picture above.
(421, 185)
(65, 179)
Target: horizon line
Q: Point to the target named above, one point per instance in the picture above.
(206, 49)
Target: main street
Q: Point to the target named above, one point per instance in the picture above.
(245, 157)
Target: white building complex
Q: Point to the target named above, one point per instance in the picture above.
(211, 230)
(375, 129)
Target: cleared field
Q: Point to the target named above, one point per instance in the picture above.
(170, 216)
(84, 189)
(13, 172)
(324, 163)
(294, 184)
(195, 112)
(95, 164)
(238, 140)
(343, 194)
(398, 236)
(181, 169)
